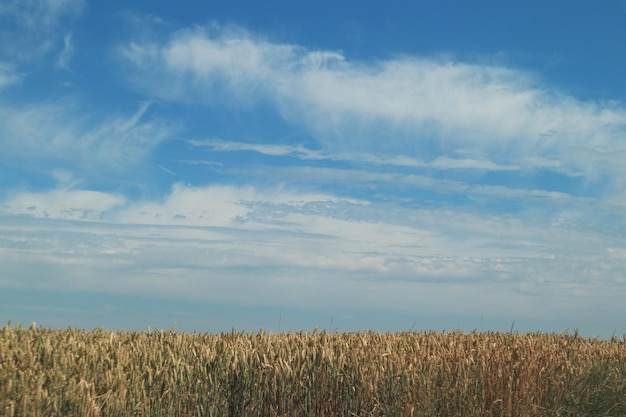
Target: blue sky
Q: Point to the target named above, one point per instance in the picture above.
(290, 165)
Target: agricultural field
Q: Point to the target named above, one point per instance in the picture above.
(46, 372)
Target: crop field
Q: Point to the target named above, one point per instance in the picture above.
(166, 373)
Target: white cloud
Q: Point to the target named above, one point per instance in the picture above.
(35, 14)
(59, 131)
(63, 60)
(8, 75)
(31, 27)
(408, 106)
(301, 152)
(63, 204)
(394, 185)
(321, 231)
(244, 245)
(214, 205)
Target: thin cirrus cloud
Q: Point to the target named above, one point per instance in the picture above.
(63, 60)
(354, 177)
(31, 28)
(8, 75)
(301, 152)
(473, 110)
(58, 131)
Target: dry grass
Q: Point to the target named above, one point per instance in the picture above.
(166, 373)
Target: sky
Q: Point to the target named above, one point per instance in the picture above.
(288, 165)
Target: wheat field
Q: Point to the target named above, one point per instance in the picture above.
(45, 372)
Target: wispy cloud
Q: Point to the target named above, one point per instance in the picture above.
(31, 28)
(8, 75)
(350, 234)
(214, 205)
(63, 60)
(63, 204)
(40, 14)
(301, 152)
(60, 131)
(318, 251)
(401, 106)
